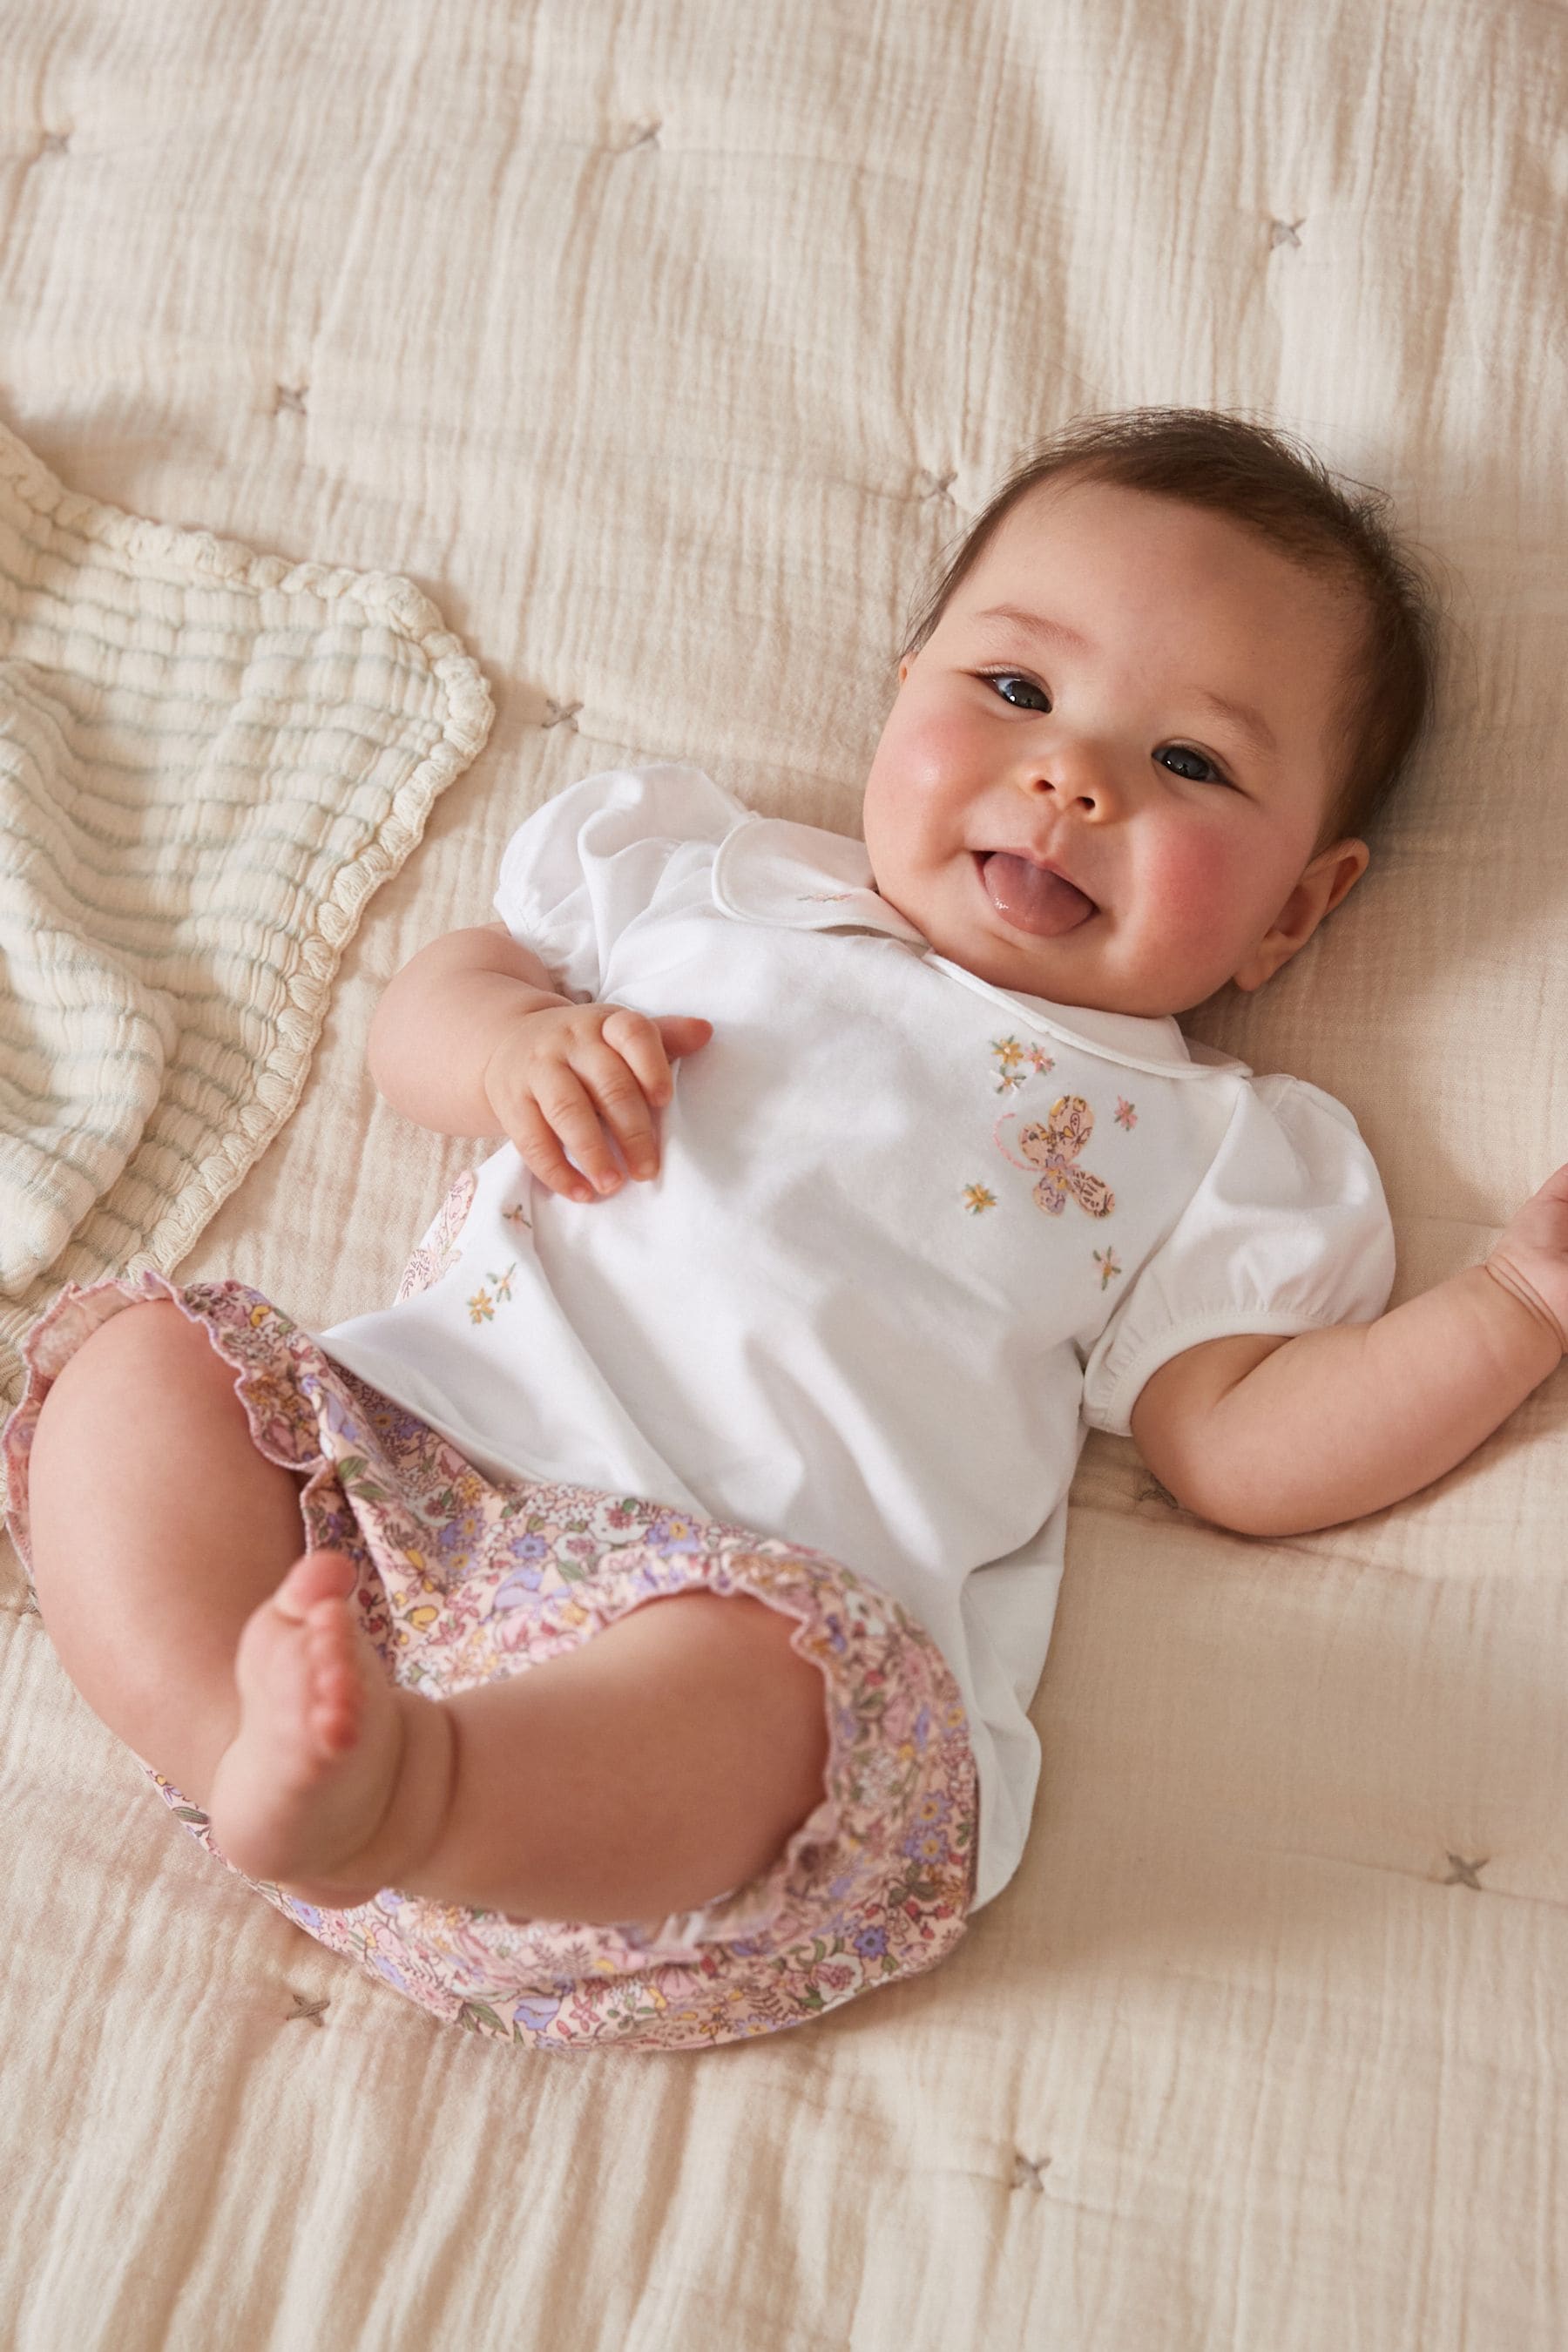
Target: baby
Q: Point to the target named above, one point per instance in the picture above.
(940, 1186)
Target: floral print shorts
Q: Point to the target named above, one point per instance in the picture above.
(462, 1580)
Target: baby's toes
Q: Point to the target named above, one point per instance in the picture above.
(295, 1669)
(315, 1576)
(336, 1704)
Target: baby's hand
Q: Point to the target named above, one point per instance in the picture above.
(556, 1073)
(1530, 1255)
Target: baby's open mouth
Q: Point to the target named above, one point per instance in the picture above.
(1031, 898)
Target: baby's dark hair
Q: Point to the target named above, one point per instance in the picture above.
(1273, 483)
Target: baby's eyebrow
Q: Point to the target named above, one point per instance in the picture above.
(1251, 722)
(1241, 714)
(1036, 624)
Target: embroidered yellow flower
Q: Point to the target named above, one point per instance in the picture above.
(1012, 1057)
(976, 1197)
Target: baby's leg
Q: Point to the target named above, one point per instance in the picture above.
(157, 1528)
(663, 1762)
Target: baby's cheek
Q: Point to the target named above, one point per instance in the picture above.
(1196, 883)
(914, 801)
(934, 754)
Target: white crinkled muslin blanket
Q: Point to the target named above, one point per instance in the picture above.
(209, 760)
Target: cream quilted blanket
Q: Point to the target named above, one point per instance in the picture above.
(209, 760)
(668, 345)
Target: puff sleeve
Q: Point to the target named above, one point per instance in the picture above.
(1287, 1232)
(578, 872)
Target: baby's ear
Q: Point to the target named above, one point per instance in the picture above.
(1333, 872)
(1347, 862)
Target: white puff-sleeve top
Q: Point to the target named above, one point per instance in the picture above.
(912, 1236)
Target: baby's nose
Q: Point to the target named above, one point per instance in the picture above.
(1074, 778)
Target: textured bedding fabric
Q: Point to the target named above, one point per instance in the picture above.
(666, 348)
(208, 760)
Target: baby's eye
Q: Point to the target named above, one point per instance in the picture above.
(1185, 751)
(1000, 678)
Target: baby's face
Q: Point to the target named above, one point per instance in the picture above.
(1098, 746)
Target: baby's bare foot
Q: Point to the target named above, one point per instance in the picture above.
(303, 1794)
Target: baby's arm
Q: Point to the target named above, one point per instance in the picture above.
(471, 1039)
(437, 1023)
(1277, 1437)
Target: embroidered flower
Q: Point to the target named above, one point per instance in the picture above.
(1011, 1055)
(514, 1216)
(481, 1305)
(976, 1197)
(1106, 1261)
(1125, 1115)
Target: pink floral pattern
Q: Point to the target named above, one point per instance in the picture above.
(462, 1580)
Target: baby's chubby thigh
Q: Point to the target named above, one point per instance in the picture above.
(666, 1761)
(156, 1529)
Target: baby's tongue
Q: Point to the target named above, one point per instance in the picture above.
(1031, 898)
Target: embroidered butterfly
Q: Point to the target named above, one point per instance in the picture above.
(1052, 1148)
(438, 1253)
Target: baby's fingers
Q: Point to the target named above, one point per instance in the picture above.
(621, 1096)
(532, 1128)
(635, 1039)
